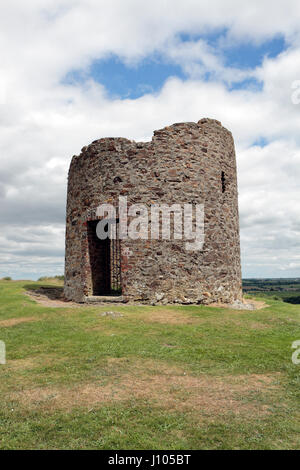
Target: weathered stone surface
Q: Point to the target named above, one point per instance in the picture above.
(184, 163)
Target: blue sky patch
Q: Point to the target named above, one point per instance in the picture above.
(246, 55)
(148, 76)
(261, 142)
(250, 84)
(123, 81)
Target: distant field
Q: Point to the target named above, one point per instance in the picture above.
(286, 289)
(166, 377)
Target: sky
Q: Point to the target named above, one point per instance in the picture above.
(73, 71)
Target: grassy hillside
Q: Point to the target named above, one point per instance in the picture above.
(174, 377)
(284, 289)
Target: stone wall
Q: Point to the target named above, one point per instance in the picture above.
(184, 163)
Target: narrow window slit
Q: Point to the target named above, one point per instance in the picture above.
(223, 182)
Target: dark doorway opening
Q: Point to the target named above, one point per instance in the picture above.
(105, 262)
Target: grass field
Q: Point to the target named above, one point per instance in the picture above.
(167, 377)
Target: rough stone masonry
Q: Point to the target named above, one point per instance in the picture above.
(184, 163)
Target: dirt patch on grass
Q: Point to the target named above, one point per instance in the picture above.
(16, 321)
(168, 316)
(170, 388)
(178, 317)
(144, 367)
(41, 360)
(254, 304)
(50, 297)
(258, 304)
(233, 321)
(257, 326)
(20, 364)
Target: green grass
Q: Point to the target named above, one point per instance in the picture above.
(67, 349)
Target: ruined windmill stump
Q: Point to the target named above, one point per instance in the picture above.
(186, 163)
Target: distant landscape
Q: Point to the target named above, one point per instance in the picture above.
(284, 289)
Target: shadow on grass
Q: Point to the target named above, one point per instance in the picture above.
(51, 292)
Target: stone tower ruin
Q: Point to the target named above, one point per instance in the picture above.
(185, 163)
